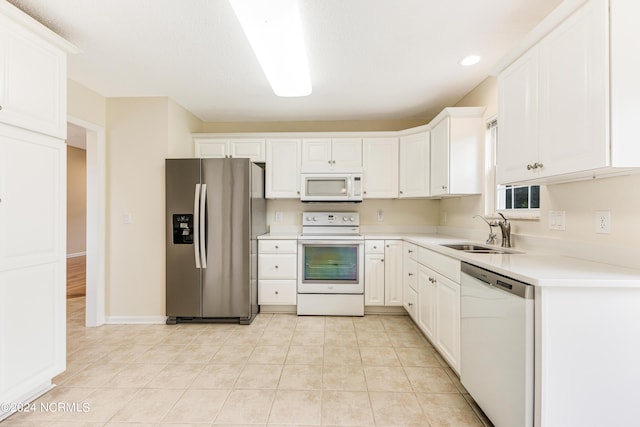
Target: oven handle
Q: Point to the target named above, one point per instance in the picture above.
(335, 242)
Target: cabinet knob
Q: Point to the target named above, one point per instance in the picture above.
(329, 161)
(382, 260)
(537, 165)
(529, 166)
(0, 107)
(401, 192)
(410, 274)
(410, 304)
(410, 251)
(276, 292)
(276, 267)
(277, 247)
(375, 247)
(444, 187)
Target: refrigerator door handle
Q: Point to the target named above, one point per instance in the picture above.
(203, 226)
(196, 221)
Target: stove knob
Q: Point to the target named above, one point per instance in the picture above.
(344, 218)
(315, 218)
(352, 219)
(308, 218)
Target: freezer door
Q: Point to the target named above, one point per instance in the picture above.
(226, 288)
(182, 183)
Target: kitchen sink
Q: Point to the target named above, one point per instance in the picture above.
(479, 249)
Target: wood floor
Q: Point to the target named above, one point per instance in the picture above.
(76, 276)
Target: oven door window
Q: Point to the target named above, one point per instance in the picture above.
(330, 263)
(326, 187)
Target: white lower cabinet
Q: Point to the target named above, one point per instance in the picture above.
(410, 278)
(438, 294)
(383, 272)
(277, 272)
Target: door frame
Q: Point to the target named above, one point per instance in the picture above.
(96, 221)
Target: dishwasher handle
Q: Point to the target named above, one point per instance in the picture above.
(504, 283)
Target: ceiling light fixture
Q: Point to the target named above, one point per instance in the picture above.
(275, 33)
(470, 60)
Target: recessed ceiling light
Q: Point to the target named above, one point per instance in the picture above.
(470, 60)
(275, 33)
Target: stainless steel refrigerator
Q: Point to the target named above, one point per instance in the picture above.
(215, 209)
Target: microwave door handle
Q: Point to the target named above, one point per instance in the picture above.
(349, 188)
(196, 225)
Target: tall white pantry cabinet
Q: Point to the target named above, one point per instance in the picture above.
(33, 110)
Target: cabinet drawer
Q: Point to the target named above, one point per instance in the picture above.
(411, 274)
(410, 250)
(374, 247)
(278, 246)
(411, 302)
(443, 264)
(277, 266)
(277, 292)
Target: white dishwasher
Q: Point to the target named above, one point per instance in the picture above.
(497, 345)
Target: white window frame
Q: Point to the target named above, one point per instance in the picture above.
(491, 186)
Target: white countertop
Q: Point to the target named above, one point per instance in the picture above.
(538, 269)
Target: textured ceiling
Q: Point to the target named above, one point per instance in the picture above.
(369, 59)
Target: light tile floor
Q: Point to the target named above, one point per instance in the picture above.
(282, 370)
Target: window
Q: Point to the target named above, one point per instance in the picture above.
(514, 200)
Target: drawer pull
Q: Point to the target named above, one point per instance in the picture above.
(277, 247)
(276, 267)
(410, 274)
(276, 292)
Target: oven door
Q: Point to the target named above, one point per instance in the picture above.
(330, 266)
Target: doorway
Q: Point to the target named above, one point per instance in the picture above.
(95, 155)
(76, 211)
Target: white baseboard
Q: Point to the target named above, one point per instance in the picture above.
(135, 320)
(77, 254)
(28, 397)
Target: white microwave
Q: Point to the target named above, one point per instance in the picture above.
(331, 187)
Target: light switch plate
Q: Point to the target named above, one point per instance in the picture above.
(557, 220)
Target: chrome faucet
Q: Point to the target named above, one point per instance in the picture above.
(505, 229)
(492, 236)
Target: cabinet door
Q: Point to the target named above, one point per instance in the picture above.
(374, 279)
(33, 81)
(283, 168)
(426, 301)
(211, 148)
(32, 261)
(414, 165)
(316, 155)
(440, 158)
(574, 93)
(346, 154)
(447, 323)
(518, 119)
(393, 272)
(252, 148)
(380, 167)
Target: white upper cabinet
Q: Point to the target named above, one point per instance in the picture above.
(414, 165)
(380, 168)
(33, 81)
(283, 168)
(559, 102)
(218, 147)
(457, 141)
(331, 154)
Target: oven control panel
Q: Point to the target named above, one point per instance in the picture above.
(331, 218)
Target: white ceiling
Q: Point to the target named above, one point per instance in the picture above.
(369, 59)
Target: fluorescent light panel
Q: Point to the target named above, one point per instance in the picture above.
(470, 60)
(275, 34)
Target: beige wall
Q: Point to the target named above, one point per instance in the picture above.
(580, 200)
(85, 104)
(396, 212)
(141, 132)
(76, 200)
(320, 126)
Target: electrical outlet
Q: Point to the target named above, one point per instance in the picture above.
(278, 216)
(127, 218)
(380, 215)
(603, 222)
